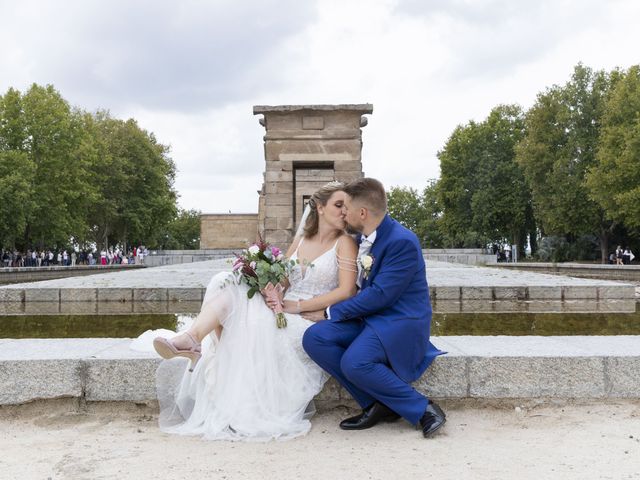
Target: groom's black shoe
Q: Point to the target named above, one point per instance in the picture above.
(432, 420)
(369, 417)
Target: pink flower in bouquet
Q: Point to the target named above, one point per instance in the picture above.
(263, 267)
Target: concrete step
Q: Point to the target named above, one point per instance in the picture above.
(496, 367)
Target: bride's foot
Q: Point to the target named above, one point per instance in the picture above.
(184, 345)
(185, 341)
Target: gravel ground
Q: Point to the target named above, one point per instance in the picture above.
(563, 441)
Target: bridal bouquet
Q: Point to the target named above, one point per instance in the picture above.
(263, 267)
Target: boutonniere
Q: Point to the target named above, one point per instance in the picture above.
(366, 262)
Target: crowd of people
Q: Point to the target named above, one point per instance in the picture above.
(621, 256)
(71, 257)
(502, 253)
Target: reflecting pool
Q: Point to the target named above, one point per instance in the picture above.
(129, 325)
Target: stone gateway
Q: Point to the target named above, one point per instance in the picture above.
(305, 146)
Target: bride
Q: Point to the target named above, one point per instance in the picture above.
(248, 379)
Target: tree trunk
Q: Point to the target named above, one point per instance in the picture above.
(533, 241)
(604, 246)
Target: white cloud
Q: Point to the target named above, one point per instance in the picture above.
(191, 72)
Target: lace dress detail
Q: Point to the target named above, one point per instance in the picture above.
(256, 382)
(308, 281)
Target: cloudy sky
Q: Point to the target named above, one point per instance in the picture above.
(191, 71)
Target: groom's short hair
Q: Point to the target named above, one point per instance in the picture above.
(370, 192)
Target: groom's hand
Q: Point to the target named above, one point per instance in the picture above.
(314, 316)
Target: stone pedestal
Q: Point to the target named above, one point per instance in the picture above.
(305, 147)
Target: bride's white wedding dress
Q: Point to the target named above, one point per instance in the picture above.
(256, 381)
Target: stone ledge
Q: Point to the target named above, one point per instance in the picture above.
(449, 293)
(628, 273)
(360, 107)
(476, 367)
(533, 292)
(185, 282)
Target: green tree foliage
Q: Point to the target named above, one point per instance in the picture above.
(559, 147)
(458, 162)
(419, 212)
(133, 177)
(16, 170)
(482, 190)
(430, 230)
(614, 180)
(183, 232)
(51, 136)
(67, 175)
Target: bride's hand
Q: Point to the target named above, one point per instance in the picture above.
(272, 297)
(272, 303)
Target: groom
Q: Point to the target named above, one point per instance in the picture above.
(377, 342)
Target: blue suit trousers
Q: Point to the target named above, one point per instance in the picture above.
(351, 352)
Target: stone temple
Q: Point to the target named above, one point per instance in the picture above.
(305, 146)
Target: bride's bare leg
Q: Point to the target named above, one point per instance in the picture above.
(208, 320)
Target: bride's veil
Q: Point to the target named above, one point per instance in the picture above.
(303, 221)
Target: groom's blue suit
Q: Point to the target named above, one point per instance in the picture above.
(377, 342)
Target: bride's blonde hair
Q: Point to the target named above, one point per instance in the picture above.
(321, 197)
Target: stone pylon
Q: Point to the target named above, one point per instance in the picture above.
(305, 146)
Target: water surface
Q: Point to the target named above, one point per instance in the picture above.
(487, 323)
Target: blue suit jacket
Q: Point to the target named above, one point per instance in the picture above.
(394, 301)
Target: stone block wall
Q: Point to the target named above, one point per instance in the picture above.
(228, 230)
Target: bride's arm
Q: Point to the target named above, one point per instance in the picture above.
(346, 253)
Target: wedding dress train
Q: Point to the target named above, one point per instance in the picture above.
(256, 382)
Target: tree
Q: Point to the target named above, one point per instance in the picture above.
(16, 170)
(418, 212)
(404, 204)
(50, 135)
(134, 177)
(430, 231)
(482, 189)
(501, 203)
(183, 232)
(70, 176)
(614, 180)
(558, 149)
(458, 164)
